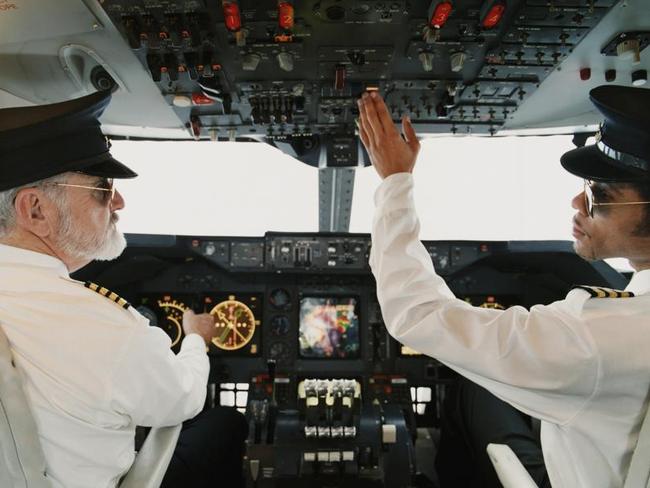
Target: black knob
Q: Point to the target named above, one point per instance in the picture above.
(101, 80)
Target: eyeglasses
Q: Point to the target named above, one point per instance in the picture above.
(106, 187)
(590, 203)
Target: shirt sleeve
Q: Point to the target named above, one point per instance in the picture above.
(544, 362)
(154, 386)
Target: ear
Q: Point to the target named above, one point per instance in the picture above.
(33, 213)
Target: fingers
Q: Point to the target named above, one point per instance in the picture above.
(368, 112)
(376, 116)
(209, 319)
(385, 119)
(410, 136)
(205, 318)
(363, 134)
(202, 318)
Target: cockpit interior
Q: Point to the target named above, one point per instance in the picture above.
(300, 347)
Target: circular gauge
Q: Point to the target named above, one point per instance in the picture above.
(335, 12)
(280, 299)
(361, 8)
(280, 325)
(234, 324)
(279, 351)
(173, 311)
(148, 314)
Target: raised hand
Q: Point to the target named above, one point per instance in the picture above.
(389, 152)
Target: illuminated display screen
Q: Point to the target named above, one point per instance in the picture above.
(329, 328)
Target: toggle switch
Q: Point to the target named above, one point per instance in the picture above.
(251, 61)
(285, 60)
(427, 61)
(457, 61)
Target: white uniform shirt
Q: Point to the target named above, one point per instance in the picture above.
(581, 365)
(91, 370)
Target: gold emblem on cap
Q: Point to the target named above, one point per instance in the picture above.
(598, 136)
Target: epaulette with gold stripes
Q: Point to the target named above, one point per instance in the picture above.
(600, 292)
(108, 294)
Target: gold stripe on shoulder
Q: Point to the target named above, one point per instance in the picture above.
(112, 296)
(91, 285)
(600, 292)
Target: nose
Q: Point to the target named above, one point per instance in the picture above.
(118, 202)
(578, 203)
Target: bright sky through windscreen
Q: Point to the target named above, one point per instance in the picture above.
(474, 188)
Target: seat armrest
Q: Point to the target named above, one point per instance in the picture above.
(22, 463)
(510, 471)
(151, 462)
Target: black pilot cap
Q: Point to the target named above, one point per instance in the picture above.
(46, 140)
(622, 151)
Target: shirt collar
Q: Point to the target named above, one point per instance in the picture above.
(640, 282)
(17, 255)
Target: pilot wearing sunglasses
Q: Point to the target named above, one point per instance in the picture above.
(582, 364)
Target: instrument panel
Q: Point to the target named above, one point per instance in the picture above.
(289, 73)
(301, 349)
(165, 312)
(237, 318)
(316, 313)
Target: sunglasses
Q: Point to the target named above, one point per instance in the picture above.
(590, 203)
(105, 188)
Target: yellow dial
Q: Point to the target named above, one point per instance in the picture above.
(174, 318)
(234, 324)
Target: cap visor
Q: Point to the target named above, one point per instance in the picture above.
(108, 167)
(591, 164)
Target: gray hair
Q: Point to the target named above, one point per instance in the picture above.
(8, 197)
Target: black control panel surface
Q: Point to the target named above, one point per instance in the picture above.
(301, 349)
(308, 302)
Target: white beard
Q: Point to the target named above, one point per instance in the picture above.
(113, 246)
(83, 246)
